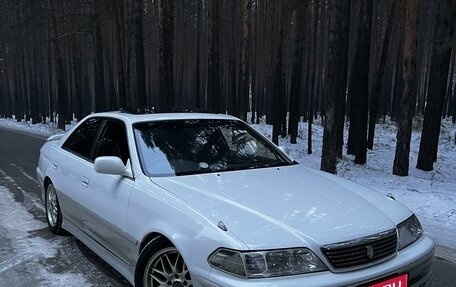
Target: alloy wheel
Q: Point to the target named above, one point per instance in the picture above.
(52, 206)
(167, 268)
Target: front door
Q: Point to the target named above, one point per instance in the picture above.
(104, 206)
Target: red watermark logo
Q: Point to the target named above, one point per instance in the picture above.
(399, 281)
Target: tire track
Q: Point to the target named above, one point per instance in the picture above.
(62, 257)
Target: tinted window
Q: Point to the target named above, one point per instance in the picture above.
(199, 146)
(112, 141)
(81, 140)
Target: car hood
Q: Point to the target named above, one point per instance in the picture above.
(289, 206)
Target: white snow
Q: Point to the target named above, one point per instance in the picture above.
(30, 252)
(39, 129)
(36, 129)
(431, 195)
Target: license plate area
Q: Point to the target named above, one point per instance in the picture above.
(396, 281)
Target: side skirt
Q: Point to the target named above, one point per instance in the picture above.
(127, 271)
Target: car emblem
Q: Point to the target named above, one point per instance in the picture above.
(370, 252)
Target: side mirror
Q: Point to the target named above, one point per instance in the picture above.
(109, 165)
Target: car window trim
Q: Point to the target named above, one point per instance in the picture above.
(89, 159)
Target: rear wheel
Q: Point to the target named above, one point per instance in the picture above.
(53, 212)
(162, 265)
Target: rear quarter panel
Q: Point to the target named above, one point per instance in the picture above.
(47, 153)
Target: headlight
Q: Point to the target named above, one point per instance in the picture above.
(272, 263)
(409, 231)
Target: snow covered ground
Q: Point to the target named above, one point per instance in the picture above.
(25, 258)
(431, 195)
(36, 129)
(39, 129)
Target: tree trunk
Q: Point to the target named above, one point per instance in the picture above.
(22, 106)
(450, 84)
(311, 71)
(139, 56)
(198, 89)
(278, 79)
(34, 96)
(296, 76)
(2, 96)
(232, 88)
(359, 81)
(214, 81)
(244, 71)
(165, 56)
(8, 93)
(378, 78)
(437, 83)
(121, 78)
(78, 101)
(99, 71)
(61, 83)
(50, 82)
(337, 76)
(409, 88)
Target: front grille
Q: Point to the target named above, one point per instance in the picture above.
(361, 251)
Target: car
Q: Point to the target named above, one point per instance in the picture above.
(204, 200)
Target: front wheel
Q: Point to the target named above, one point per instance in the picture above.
(53, 212)
(161, 265)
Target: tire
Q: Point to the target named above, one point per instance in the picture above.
(160, 264)
(53, 212)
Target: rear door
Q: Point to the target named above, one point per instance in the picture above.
(71, 166)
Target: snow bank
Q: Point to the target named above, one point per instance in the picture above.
(29, 260)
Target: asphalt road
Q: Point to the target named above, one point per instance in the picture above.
(36, 257)
(30, 255)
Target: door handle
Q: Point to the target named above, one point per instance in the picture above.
(54, 165)
(85, 182)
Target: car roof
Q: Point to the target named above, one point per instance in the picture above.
(136, 118)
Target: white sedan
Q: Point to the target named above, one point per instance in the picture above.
(204, 200)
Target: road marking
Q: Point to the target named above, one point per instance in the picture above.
(35, 201)
(25, 173)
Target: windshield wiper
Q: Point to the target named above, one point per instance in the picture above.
(266, 164)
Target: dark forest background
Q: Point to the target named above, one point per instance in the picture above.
(352, 61)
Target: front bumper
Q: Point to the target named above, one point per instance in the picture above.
(416, 260)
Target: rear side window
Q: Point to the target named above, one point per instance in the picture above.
(81, 140)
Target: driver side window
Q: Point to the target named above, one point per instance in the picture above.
(112, 141)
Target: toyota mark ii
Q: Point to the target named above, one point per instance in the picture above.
(204, 200)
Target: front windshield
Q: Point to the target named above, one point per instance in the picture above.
(182, 147)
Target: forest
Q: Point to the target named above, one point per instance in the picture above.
(351, 63)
